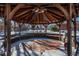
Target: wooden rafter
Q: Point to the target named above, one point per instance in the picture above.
(15, 10)
(25, 15)
(50, 17)
(25, 18)
(33, 18)
(71, 10)
(75, 8)
(53, 15)
(56, 13)
(45, 18)
(29, 16)
(62, 9)
(23, 12)
(38, 18)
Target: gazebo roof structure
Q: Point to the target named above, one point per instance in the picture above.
(36, 13)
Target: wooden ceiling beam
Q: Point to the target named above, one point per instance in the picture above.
(26, 19)
(45, 18)
(7, 11)
(78, 9)
(22, 19)
(23, 13)
(71, 10)
(33, 18)
(50, 16)
(53, 15)
(74, 10)
(40, 17)
(27, 6)
(15, 10)
(38, 20)
(56, 13)
(50, 5)
(62, 9)
(24, 16)
(29, 16)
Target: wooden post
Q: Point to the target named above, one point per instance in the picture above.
(75, 30)
(5, 41)
(59, 32)
(7, 30)
(14, 27)
(74, 13)
(45, 28)
(8, 16)
(69, 41)
(19, 29)
(69, 37)
(8, 38)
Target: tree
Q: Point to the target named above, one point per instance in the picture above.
(53, 27)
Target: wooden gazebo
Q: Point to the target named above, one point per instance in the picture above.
(38, 13)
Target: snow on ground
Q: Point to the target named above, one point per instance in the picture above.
(51, 52)
(20, 52)
(54, 53)
(17, 49)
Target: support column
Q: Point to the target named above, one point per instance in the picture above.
(69, 40)
(69, 37)
(8, 26)
(7, 31)
(45, 28)
(14, 27)
(59, 32)
(74, 13)
(5, 40)
(19, 29)
(75, 31)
